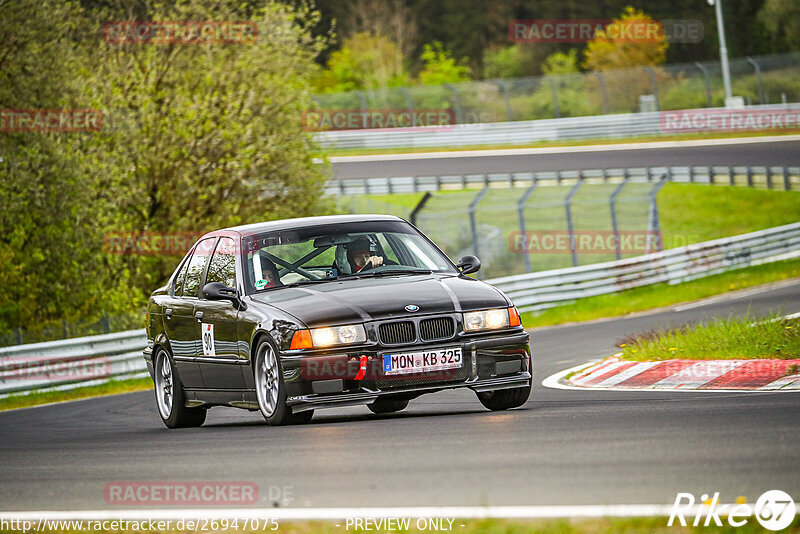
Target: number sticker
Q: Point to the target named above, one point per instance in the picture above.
(208, 339)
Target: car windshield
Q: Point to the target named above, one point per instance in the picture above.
(331, 252)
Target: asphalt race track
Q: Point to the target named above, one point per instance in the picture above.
(777, 153)
(563, 447)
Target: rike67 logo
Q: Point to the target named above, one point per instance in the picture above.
(774, 510)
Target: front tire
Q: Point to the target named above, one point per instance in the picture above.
(271, 389)
(505, 399)
(170, 398)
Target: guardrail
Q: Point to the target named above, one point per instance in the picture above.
(70, 363)
(83, 361)
(772, 177)
(520, 132)
(538, 291)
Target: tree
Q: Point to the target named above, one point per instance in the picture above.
(218, 138)
(633, 58)
(440, 67)
(611, 50)
(365, 61)
(782, 20)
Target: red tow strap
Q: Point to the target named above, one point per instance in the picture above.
(363, 370)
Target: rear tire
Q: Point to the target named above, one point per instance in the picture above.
(383, 405)
(170, 397)
(504, 399)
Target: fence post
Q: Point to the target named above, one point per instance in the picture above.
(749, 176)
(18, 335)
(654, 84)
(653, 222)
(64, 330)
(707, 81)
(786, 184)
(521, 213)
(761, 97)
(602, 91)
(472, 223)
(612, 204)
(731, 180)
(570, 225)
(421, 204)
(503, 89)
(106, 323)
(554, 91)
(456, 102)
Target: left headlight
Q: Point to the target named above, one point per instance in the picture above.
(338, 335)
(491, 319)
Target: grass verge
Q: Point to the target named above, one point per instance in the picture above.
(659, 295)
(720, 339)
(547, 144)
(512, 526)
(111, 388)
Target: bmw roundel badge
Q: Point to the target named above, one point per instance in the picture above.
(412, 308)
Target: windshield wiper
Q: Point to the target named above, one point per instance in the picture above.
(388, 272)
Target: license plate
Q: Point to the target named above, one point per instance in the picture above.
(421, 362)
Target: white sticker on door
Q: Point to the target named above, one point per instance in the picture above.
(208, 339)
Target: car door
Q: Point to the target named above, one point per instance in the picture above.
(219, 360)
(180, 323)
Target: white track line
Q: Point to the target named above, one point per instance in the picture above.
(563, 149)
(318, 514)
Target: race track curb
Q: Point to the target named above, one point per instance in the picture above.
(614, 372)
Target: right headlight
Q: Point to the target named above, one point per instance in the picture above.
(494, 319)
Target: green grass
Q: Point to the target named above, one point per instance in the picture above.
(658, 295)
(332, 152)
(644, 525)
(110, 388)
(720, 339)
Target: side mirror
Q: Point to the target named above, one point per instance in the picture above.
(469, 264)
(219, 291)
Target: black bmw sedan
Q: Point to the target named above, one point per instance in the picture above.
(291, 316)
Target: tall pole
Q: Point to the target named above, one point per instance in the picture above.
(723, 50)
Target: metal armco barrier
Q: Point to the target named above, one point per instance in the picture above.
(82, 361)
(519, 132)
(538, 291)
(70, 363)
(778, 178)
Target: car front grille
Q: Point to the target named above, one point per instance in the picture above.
(397, 333)
(436, 329)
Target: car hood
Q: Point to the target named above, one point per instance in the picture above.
(370, 299)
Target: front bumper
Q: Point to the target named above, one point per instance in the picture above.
(490, 363)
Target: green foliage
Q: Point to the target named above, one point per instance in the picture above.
(781, 18)
(213, 137)
(440, 67)
(365, 61)
(560, 63)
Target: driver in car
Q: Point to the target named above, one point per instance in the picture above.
(360, 255)
(269, 272)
